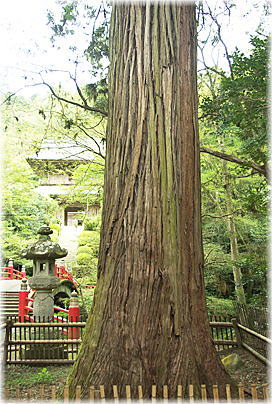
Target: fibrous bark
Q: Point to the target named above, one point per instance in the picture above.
(149, 324)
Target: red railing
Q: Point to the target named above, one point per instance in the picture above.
(10, 273)
(24, 309)
(62, 273)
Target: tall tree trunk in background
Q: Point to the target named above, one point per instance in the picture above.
(149, 324)
(234, 251)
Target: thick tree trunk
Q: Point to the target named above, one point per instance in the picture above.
(149, 324)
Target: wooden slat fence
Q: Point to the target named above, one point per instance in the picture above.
(43, 342)
(180, 393)
(222, 331)
(255, 319)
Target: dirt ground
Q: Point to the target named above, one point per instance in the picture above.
(253, 371)
(26, 382)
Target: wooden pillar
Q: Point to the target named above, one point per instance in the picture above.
(237, 332)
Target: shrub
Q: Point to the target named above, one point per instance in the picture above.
(92, 223)
(88, 237)
(55, 226)
(83, 258)
(84, 250)
(86, 266)
(221, 307)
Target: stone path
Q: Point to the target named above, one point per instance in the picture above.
(10, 285)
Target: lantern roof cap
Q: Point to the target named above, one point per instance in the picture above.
(44, 248)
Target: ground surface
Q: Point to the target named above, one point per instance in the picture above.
(253, 370)
(30, 379)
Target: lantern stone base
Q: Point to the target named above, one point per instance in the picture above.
(44, 301)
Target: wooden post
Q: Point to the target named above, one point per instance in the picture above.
(74, 316)
(53, 393)
(153, 392)
(254, 392)
(215, 393)
(203, 392)
(23, 294)
(102, 392)
(78, 393)
(165, 391)
(228, 392)
(66, 394)
(91, 393)
(179, 392)
(128, 393)
(265, 391)
(191, 392)
(115, 392)
(10, 269)
(140, 392)
(7, 339)
(241, 391)
(42, 392)
(6, 393)
(237, 332)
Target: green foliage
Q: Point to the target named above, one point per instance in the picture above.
(86, 257)
(86, 268)
(89, 238)
(24, 375)
(27, 378)
(221, 307)
(84, 250)
(89, 181)
(240, 101)
(72, 19)
(86, 300)
(233, 109)
(24, 210)
(55, 226)
(92, 223)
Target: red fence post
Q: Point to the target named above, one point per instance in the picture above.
(62, 271)
(10, 269)
(23, 295)
(74, 316)
(23, 272)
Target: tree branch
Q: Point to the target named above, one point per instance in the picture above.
(86, 107)
(261, 169)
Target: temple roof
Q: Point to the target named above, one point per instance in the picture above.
(51, 150)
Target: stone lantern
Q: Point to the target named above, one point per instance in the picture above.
(44, 252)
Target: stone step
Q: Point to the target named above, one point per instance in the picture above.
(10, 304)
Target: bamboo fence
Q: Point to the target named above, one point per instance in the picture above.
(43, 393)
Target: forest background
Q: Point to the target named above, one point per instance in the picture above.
(233, 131)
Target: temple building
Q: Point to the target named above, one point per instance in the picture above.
(54, 164)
